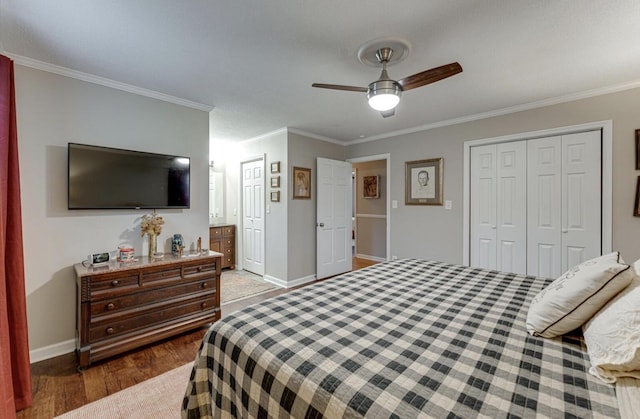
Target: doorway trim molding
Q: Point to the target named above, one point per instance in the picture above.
(240, 217)
(607, 175)
(387, 158)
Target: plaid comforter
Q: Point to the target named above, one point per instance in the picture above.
(400, 339)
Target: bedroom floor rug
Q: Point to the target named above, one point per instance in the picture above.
(236, 285)
(158, 398)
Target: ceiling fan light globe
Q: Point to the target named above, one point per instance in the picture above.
(384, 95)
(384, 102)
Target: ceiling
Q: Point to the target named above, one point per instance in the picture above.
(253, 61)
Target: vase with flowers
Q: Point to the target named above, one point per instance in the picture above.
(151, 225)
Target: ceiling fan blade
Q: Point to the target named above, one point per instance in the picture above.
(340, 87)
(430, 76)
(390, 112)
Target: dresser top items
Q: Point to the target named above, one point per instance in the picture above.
(141, 262)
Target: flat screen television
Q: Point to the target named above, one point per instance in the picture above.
(112, 178)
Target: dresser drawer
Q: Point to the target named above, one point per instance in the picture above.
(112, 284)
(161, 275)
(113, 326)
(216, 232)
(229, 231)
(112, 306)
(229, 243)
(198, 269)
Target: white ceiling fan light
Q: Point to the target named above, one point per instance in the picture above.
(383, 98)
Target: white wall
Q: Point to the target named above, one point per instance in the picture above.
(431, 232)
(53, 110)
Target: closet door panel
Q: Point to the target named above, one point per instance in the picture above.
(581, 205)
(544, 197)
(511, 204)
(483, 210)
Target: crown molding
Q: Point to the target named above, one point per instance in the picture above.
(315, 136)
(90, 78)
(505, 111)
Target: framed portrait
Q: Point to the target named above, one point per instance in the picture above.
(370, 187)
(275, 196)
(638, 149)
(636, 208)
(275, 167)
(275, 181)
(423, 182)
(301, 183)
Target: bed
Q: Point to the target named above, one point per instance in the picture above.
(400, 339)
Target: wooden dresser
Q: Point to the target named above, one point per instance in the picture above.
(122, 306)
(222, 238)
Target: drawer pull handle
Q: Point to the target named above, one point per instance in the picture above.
(204, 285)
(115, 283)
(199, 269)
(110, 306)
(203, 305)
(110, 330)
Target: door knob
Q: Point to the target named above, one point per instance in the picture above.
(320, 224)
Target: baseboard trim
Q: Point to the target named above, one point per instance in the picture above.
(289, 284)
(52, 351)
(369, 257)
(301, 281)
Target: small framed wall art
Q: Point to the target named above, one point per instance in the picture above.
(638, 149)
(301, 183)
(370, 187)
(275, 196)
(275, 181)
(275, 167)
(423, 182)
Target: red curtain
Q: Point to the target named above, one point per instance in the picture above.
(15, 368)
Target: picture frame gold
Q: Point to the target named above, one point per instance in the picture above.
(275, 167)
(371, 187)
(275, 181)
(301, 183)
(275, 196)
(423, 181)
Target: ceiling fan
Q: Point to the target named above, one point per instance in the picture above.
(384, 93)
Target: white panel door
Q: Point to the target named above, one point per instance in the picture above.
(544, 167)
(333, 218)
(483, 207)
(565, 202)
(253, 216)
(511, 207)
(581, 198)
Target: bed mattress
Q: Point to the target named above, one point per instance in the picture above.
(400, 339)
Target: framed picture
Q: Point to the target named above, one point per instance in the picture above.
(301, 183)
(275, 167)
(370, 186)
(423, 182)
(275, 181)
(275, 196)
(638, 149)
(636, 208)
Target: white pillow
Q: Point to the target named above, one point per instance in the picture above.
(612, 336)
(569, 301)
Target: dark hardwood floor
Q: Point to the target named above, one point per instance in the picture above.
(58, 387)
